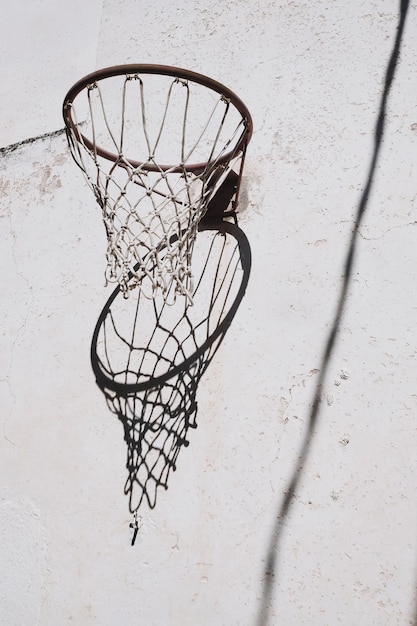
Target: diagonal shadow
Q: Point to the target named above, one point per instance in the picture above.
(270, 572)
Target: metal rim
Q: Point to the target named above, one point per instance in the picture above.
(122, 389)
(166, 70)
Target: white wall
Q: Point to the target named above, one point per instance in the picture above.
(45, 46)
(311, 73)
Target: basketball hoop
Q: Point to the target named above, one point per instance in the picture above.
(161, 148)
(163, 151)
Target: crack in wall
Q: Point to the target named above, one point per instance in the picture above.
(388, 230)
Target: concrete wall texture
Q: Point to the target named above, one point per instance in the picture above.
(212, 552)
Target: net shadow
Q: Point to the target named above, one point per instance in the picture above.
(270, 576)
(148, 356)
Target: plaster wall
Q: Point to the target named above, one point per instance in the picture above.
(311, 73)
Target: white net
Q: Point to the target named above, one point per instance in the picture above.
(155, 149)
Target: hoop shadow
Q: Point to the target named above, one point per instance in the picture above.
(271, 567)
(148, 357)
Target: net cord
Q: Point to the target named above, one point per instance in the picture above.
(124, 222)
